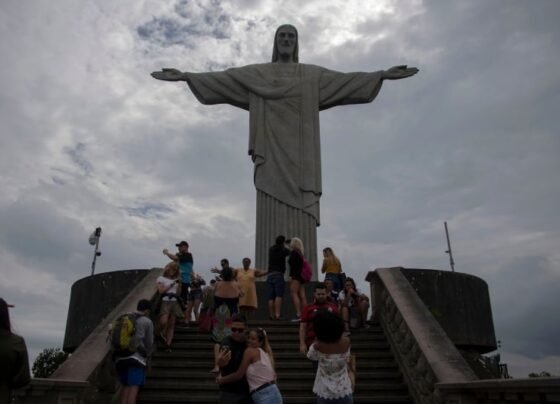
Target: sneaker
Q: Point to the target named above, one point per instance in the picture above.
(295, 320)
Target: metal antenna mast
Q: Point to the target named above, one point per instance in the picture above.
(94, 240)
(451, 262)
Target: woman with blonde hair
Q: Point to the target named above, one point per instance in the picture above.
(332, 268)
(168, 285)
(257, 366)
(297, 291)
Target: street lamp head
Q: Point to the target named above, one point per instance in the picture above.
(93, 239)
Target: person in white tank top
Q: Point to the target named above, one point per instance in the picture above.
(170, 311)
(258, 367)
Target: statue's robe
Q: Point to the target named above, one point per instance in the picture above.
(284, 100)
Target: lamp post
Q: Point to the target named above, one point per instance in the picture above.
(94, 240)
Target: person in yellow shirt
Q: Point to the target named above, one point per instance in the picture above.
(332, 268)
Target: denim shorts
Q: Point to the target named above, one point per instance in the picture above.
(131, 376)
(276, 284)
(185, 291)
(194, 294)
(268, 395)
(335, 278)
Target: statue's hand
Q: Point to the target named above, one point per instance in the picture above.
(168, 75)
(399, 72)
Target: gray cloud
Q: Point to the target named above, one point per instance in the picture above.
(90, 139)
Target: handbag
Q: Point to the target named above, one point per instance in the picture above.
(205, 320)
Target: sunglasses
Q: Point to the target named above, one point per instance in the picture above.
(235, 329)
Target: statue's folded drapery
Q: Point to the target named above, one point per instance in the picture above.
(284, 100)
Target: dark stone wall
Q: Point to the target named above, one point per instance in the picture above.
(461, 304)
(92, 298)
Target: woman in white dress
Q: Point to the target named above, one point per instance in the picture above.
(332, 350)
(258, 366)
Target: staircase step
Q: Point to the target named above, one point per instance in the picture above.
(290, 355)
(274, 327)
(291, 336)
(278, 346)
(206, 365)
(158, 397)
(285, 386)
(183, 375)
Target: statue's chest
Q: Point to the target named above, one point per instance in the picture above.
(282, 75)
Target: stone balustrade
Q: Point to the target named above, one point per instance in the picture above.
(85, 376)
(425, 353)
(503, 391)
(435, 371)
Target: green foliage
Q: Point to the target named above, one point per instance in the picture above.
(544, 373)
(48, 361)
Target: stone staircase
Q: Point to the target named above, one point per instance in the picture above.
(182, 376)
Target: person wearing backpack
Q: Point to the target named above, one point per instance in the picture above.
(297, 263)
(132, 347)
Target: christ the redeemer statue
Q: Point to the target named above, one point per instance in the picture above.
(284, 98)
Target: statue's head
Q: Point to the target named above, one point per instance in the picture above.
(286, 44)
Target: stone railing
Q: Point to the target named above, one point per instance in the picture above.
(503, 391)
(432, 366)
(425, 354)
(86, 376)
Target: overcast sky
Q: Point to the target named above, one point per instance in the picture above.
(89, 139)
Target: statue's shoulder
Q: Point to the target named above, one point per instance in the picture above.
(253, 66)
(249, 68)
(313, 69)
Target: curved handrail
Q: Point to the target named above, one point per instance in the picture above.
(83, 369)
(423, 350)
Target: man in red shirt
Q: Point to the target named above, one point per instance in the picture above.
(306, 331)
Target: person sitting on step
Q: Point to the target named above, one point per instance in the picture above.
(355, 306)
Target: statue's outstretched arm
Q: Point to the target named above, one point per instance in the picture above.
(399, 72)
(169, 75)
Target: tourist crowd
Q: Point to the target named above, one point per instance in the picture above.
(243, 358)
(244, 366)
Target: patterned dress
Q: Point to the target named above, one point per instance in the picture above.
(332, 380)
(246, 279)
